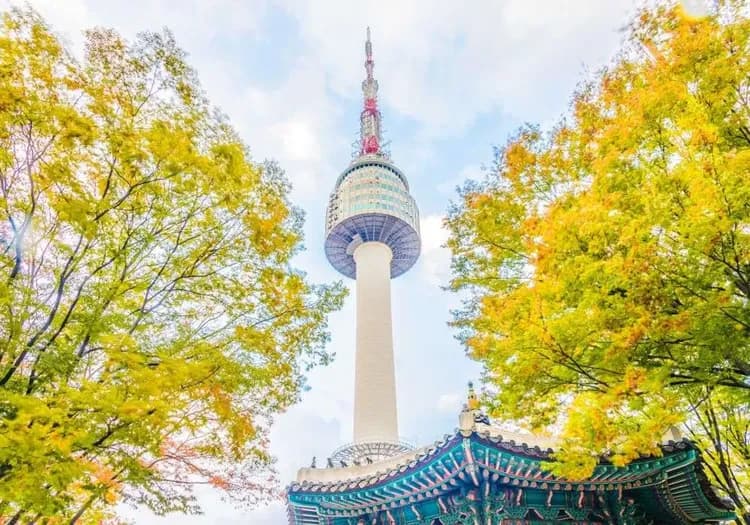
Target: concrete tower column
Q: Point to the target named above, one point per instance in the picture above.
(375, 417)
(372, 235)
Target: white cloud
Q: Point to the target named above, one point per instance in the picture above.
(443, 64)
(695, 7)
(298, 140)
(194, 22)
(449, 403)
(435, 258)
(470, 172)
(294, 122)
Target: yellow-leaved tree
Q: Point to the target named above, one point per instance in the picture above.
(606, 263)
(151, 322)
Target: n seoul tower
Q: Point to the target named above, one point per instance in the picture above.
(372, 235)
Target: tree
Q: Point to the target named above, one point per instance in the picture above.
(151, 322)
(606, 263)
(719, 423)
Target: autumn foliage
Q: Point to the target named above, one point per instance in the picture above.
(606, 262)
(151, 322)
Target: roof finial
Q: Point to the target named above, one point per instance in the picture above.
(472, 402)
(369, 127)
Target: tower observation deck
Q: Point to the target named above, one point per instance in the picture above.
(372, 235)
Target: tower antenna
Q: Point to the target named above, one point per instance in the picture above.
(370, 138)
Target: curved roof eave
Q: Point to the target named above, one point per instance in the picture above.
(520, 465)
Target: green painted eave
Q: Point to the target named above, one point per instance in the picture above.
(671, 485)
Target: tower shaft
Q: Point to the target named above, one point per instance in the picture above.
(375, 416)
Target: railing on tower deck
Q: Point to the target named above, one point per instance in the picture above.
(369, 452)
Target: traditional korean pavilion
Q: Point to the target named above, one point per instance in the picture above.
(480, 474)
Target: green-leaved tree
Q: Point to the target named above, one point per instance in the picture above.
(607, 262)
(151, 322)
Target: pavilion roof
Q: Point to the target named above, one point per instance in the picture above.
(421, 482)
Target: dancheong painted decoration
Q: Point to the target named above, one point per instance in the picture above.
(481, 474)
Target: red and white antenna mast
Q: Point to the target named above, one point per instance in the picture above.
(370, 138)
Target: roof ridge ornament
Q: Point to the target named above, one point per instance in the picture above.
(471, 401)
(472, 413)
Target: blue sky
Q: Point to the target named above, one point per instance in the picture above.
(454, 79)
